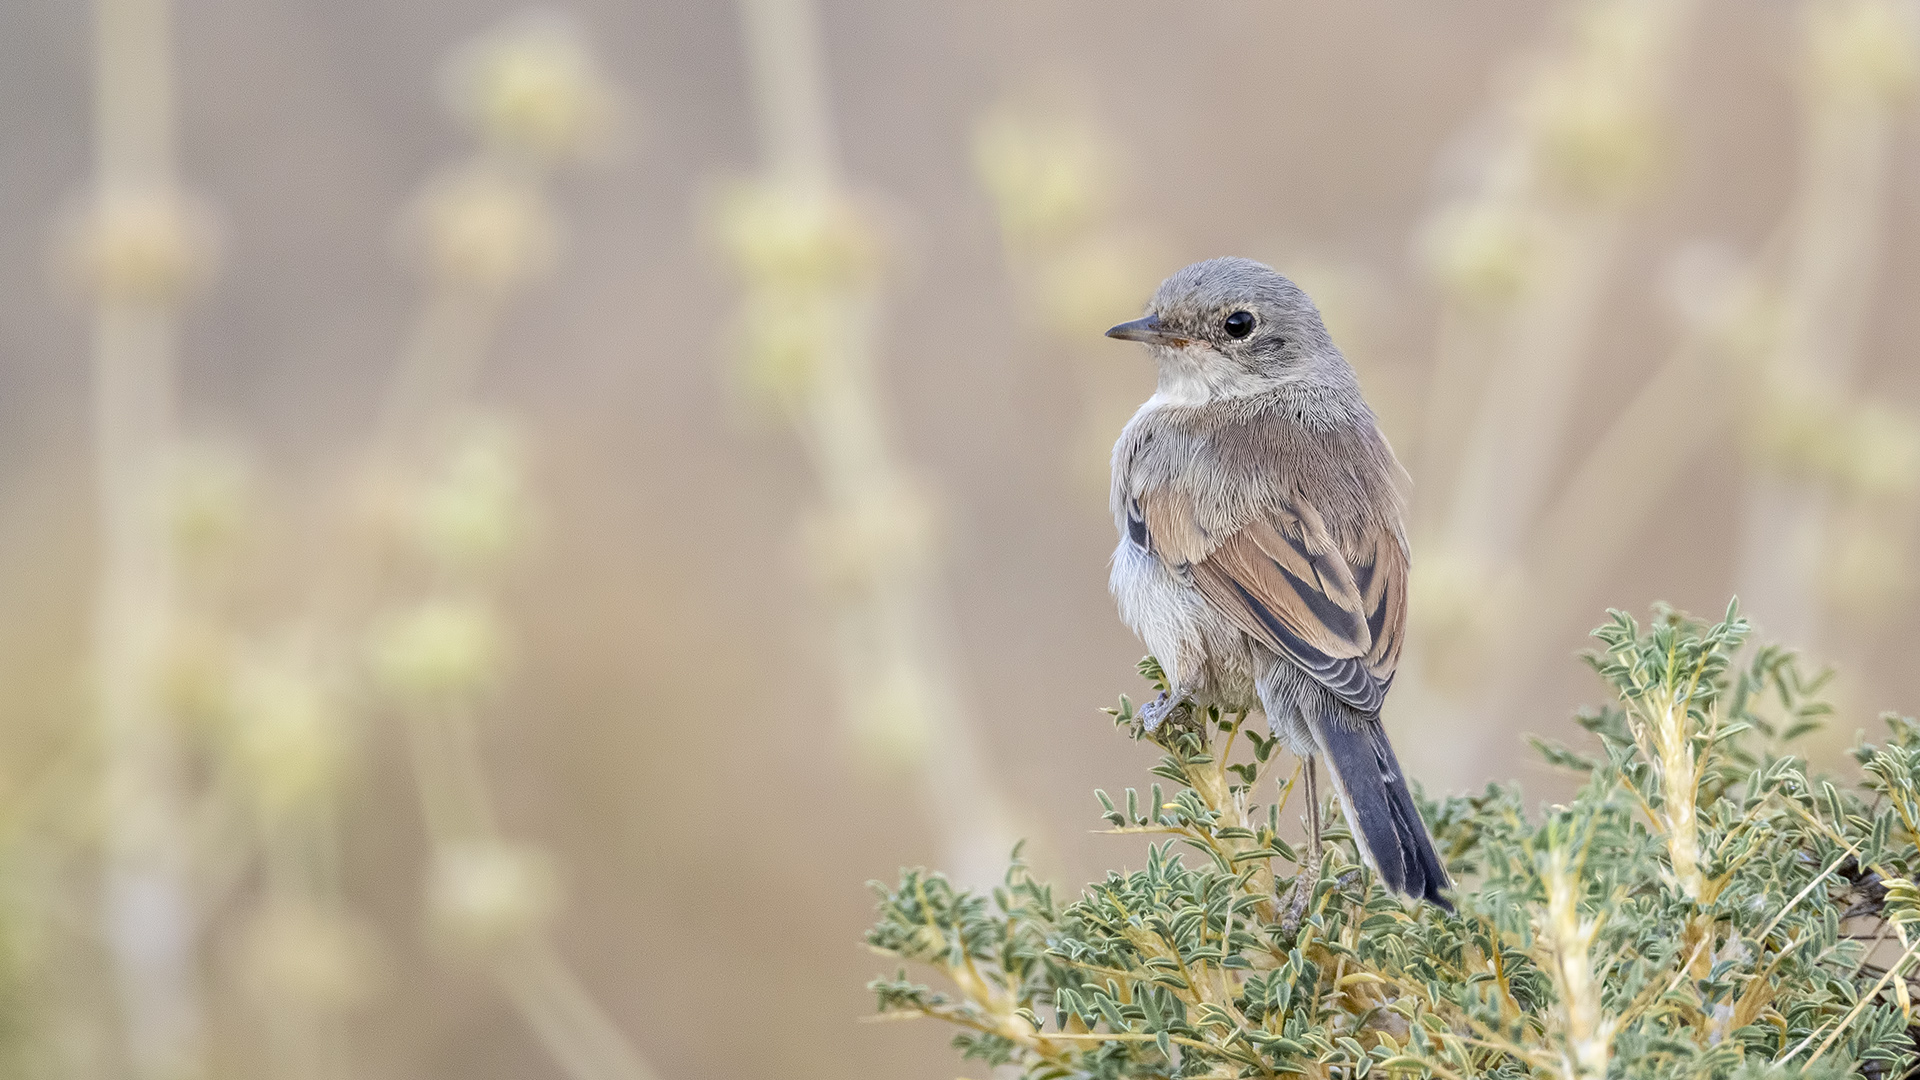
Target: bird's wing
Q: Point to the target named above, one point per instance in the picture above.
(1337, 613)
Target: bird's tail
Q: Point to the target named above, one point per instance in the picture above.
(1373, 791)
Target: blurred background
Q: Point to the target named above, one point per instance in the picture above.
(508, 519)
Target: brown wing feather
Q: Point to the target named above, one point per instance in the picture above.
(1385, 601)
(1173, 533)
(1339, 615)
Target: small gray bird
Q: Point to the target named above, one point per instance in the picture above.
(1262, 557)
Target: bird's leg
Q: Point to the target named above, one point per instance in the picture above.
(1160, 709)
(1309, 875)
(1313, 811)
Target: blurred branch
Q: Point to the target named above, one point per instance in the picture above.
(788, 70)
(479, 232)
(1648, 447)
(1744, 348)
(1077, 265)
(566, 1017)
(138, 251)
(1859, 60)
(1534, 251)
(1511, 445)
(1525, 259)
(1692, 401)
(1764, 354)
(810, 257)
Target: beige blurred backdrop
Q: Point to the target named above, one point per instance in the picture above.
(669, 724)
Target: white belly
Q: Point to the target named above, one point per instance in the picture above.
(1159, 607)
(1199, 650)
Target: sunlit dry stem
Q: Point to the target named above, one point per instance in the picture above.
(1680, 781)
(1569, 940)
(1895, 969)
(1558, 893)
(1662, 723)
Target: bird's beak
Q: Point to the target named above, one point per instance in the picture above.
(1148, 330)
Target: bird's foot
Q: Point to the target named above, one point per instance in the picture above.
(1167, 706)
(1301, 892)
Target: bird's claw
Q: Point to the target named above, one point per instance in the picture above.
(1296, 904)
(1161, 709)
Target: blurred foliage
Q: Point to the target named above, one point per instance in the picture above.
(149, 245)
(1704, 906)
(284, 625)
(532, 88)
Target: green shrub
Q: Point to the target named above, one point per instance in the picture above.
(1705, 906)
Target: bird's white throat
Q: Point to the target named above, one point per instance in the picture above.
(1188, 384)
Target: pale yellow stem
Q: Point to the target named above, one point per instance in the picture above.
(148, 907)
(1586, 1029)
(895, 626)
(564, 1016)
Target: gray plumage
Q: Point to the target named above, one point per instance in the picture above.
(1262, 556)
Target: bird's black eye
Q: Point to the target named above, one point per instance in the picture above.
(1239, 324)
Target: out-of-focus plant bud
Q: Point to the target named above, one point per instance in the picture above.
(1047, 176)
(533, 86)
(1797, 423)
(149, 245)
(892, 717)
(196, 677)
(482, 229)
(442, 649)
(1596, 134)
(882, 535)
(299, 952)
(1753, 329)
(1882, 452)
(1597, 140)
(1457, 602)
(1095, 284)
(1862, 50)
(1866, 568)
(285, 739)
(1484, 254)
(474, 512)
(796, 237)
(485, 894)
(213, 502)
(782, 338)
(1802, 426)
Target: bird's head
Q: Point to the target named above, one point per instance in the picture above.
(1234, 327)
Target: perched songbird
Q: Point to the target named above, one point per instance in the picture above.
(1262, 555)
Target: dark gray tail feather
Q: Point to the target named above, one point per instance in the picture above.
(1374, 793)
